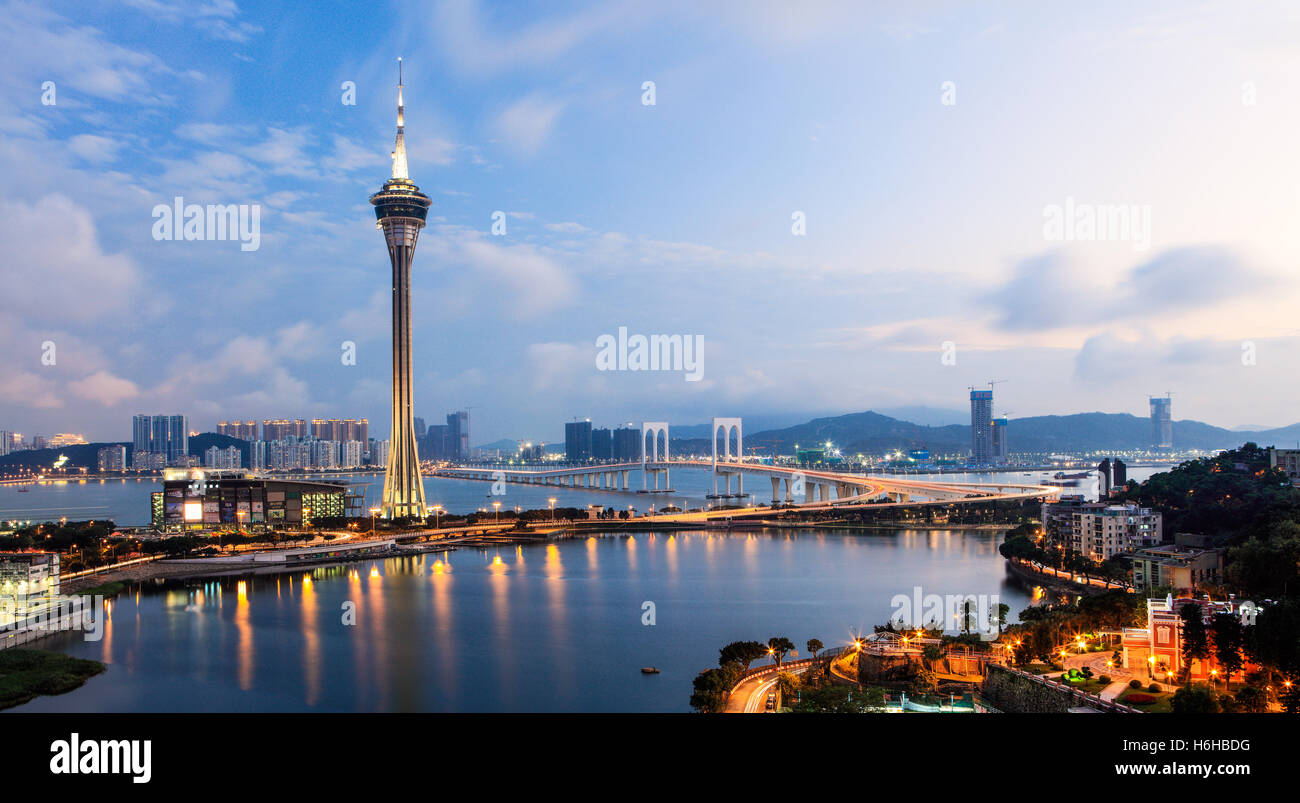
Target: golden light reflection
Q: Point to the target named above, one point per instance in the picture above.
(311, 658)
(244, 628)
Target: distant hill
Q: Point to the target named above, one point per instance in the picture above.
(205, 440)
(87, 454)
(81, 455)
(871, 432)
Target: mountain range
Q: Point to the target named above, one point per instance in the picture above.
(873, 432)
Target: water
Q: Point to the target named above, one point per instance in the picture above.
(126, 502)
(550, 627)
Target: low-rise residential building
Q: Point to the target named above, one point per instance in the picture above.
(1100, 530)
(1181, 568)
(1286, 459)
(112, 458)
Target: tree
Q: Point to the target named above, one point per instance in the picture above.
(787, 684)
(778, 646)
(742, 652)
(1273, 641)
(1196, 698)
(1252, 699)
(711, 689)
(1196, 645)
(1000, 618)
(1228, 642)
(815, 646)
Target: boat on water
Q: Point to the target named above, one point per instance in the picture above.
(649, 670)
(1061, 475)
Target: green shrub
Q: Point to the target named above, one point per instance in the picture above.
(1104, 679)
(1154, 688)
(1135, 684)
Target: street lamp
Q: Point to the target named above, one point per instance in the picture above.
(373, 512)
(496, 512)
(437, 516)
(551, 502)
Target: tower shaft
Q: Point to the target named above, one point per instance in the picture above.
(403, 484)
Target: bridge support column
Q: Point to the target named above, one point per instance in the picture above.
(776, 488)
(789, 495)
(740, 483)
(823, 492)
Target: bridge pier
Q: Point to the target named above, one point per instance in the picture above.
(776, 488)
(789, 495)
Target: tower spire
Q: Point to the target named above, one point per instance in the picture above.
(399, 149)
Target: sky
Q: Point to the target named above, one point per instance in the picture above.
(850, 203)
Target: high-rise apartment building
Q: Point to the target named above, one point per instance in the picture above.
(243, 430)
(602, 444)
(577, 441)
(1162, 422)
(274, 429)
(627, 444)
(458, 435)
(981, 427)
(165, 435)
(1001, 450)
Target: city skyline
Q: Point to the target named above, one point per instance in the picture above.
(926, 218)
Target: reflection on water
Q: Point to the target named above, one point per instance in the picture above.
(541, 627)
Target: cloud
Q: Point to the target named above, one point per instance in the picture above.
(217, 18)
(537, 282)
(94, 148)
(476, 48)
(53, 267)
(104, 388)
(1050, 291)
(40, 45)
(525, 124)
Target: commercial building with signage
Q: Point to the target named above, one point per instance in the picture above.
(197, 500)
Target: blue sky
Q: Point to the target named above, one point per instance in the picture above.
(924, 219)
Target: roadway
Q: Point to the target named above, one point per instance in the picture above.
(854, 491)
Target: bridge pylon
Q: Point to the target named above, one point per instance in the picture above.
(727, 426)
(654, 429)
